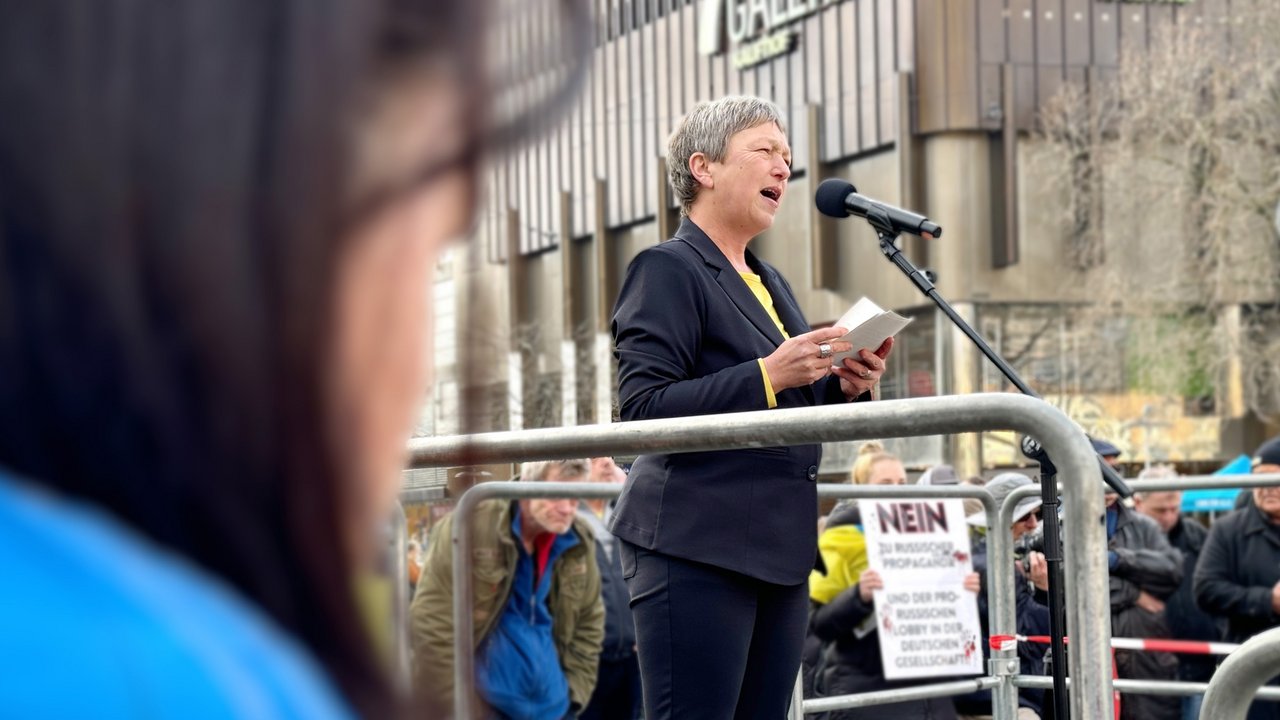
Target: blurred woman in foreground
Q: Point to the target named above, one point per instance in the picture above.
(218, 226)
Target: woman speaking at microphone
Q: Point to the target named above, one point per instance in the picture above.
(717, 546)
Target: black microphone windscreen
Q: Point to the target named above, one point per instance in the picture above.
(830, 197)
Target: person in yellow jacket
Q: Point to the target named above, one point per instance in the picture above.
(842, 648)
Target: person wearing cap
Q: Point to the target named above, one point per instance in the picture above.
(939, 475)
(1109, 453)
(1032, 616)
(1238, 576)
(1145, 572)
(1245, 499)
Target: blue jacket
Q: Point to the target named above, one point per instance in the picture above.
(96, 622)
(519, 667)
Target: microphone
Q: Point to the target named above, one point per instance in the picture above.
(840, 199)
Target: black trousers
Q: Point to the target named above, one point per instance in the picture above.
(714, 644)
(617, 693)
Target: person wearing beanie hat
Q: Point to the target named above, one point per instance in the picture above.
(1107, 450)
(1032, 616)
(1265, 461)
(1267, 457)
(1238, 576)
(939, 475)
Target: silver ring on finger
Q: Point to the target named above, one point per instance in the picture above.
(824, 350)
(865, 374)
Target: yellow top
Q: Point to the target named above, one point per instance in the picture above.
(844, 552)
(762, 294)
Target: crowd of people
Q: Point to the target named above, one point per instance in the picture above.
(714, 574)
(218, 228)
(1170, 578)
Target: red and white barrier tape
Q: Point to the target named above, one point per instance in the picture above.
(1185, 647)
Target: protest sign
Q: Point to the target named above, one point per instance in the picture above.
(927, 622)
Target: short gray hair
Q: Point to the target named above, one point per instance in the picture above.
(1156, 472)
(539, 469)
(707, 129)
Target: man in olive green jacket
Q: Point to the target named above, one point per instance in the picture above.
(536, 591)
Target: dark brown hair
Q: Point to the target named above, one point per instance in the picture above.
(173, 200)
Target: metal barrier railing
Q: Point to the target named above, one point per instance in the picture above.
(1000, 619)
(1072, 453)
(398, 543)
(1002, 573)
(1164, 687)
(1000, 579)
(1152, 687)
(999, 598)
(1238, 678)
(897, 695)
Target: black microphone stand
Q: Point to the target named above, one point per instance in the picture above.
(1054, 562)
(888, 235)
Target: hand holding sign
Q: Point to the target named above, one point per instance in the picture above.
(869, 581)
(926, 601)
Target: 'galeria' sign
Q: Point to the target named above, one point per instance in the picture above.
(758, 28)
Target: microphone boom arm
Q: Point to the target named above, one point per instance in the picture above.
(885, 229)
(889, 248)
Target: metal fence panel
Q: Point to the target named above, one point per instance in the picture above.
(1063, 440)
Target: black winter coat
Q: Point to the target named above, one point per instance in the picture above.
(1238, 567)
(1185, 619)
(619, 626)
(1145, 562)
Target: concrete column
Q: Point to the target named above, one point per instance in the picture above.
(603, 356)
(1233, 405)
(568, 383)
(516, 289)
(957, 192)
(962, 379)
(569, 283)
(515, 391)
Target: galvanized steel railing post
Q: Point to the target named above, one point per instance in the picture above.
(796, 711)
(944, 689)
(1088, 595)
(1233, 686)
(400, 594)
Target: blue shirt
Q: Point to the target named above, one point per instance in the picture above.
(519, 671)
(97, 622)
(1113, 517)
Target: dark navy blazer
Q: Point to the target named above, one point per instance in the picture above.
(688, 334)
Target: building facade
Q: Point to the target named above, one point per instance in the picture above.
(927, 104)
